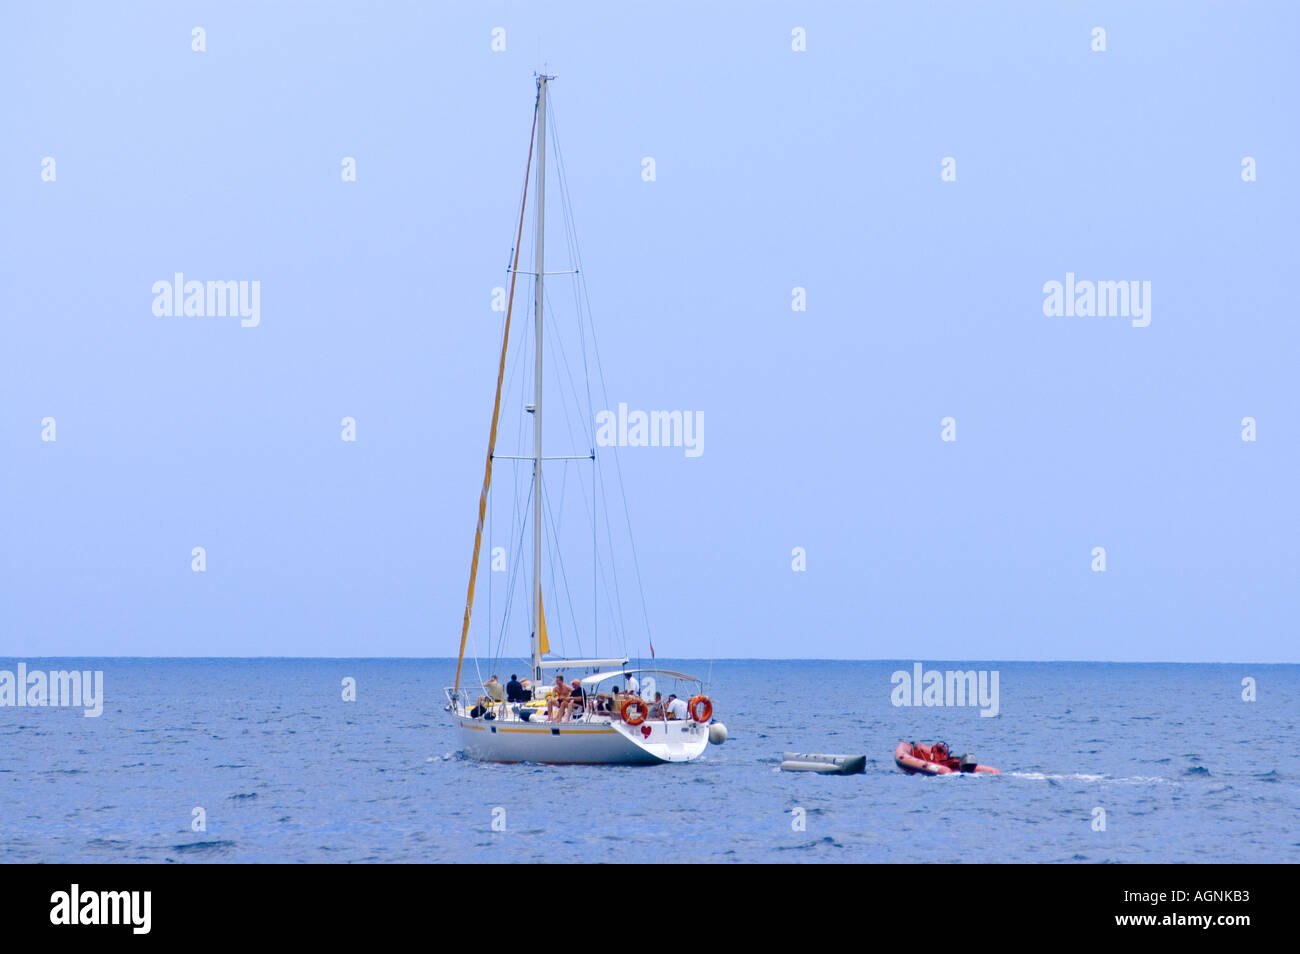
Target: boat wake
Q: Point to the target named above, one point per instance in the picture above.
(1085, 777)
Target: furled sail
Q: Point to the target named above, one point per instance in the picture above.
(496, 414)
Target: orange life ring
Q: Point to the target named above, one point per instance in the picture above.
(642, 710)
(697, 703)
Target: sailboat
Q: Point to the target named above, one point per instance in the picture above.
(609, 714)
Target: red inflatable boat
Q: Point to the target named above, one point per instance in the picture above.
(935, 760)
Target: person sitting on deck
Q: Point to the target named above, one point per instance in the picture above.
(557, 701)
(677, 708)
(605, 701)
(494, 690)
(573, 702)
(515, 690)
(657, 709)
(576, 701)
(616, 702)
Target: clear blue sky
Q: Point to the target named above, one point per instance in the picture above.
(775, 169)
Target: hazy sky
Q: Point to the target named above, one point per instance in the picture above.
(775, 168)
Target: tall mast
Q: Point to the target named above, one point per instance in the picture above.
(537, 384)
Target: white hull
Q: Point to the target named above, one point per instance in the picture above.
(582, 742)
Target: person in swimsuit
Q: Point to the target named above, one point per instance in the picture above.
(557, 702)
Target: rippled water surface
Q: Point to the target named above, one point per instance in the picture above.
(284, 770)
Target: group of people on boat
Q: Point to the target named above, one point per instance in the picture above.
(514, 691)
(568, 700)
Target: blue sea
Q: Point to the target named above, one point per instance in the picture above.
(1100, 763)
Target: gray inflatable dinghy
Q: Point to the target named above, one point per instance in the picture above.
(823, 764)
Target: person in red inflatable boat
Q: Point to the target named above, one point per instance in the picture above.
(936, 759)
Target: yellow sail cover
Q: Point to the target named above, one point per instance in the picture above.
(543, 644)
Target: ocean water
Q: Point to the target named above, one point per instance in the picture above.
(284, 770)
